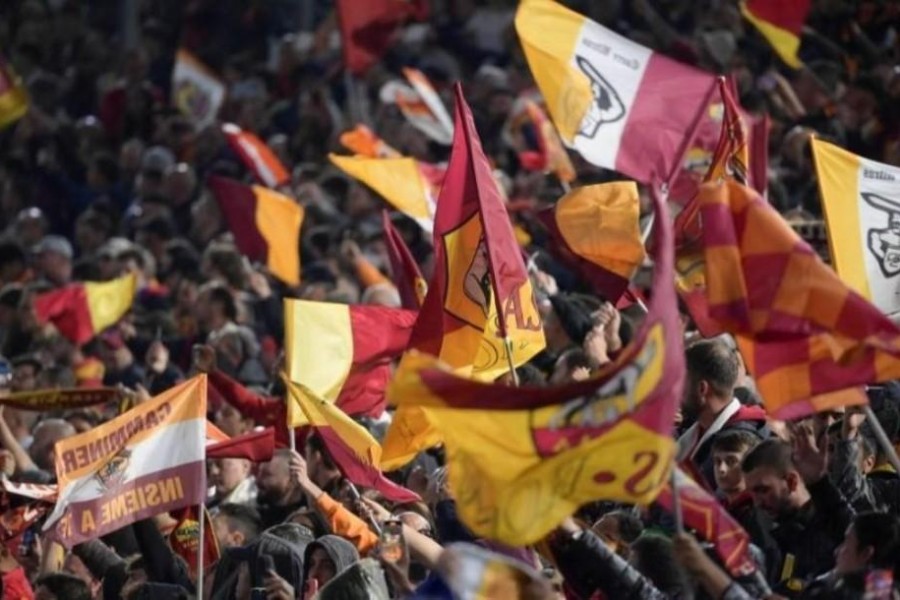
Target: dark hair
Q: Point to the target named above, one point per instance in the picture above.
(64, 585)
(315, 442)
(630, 527)
(11, 252)
(219, 294)
(161, 227)
(881, 532)
(734, 440)
(243, 518)
(654, 557)
(105, 164)
(530, 375)
(713, 361)
(320, 526)
(772, 453)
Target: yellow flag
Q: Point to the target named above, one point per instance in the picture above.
(110, 300)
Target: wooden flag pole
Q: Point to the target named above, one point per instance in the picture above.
(882, 437)
(676, 501)
(201, 516)
(508, 345)
(292, 438)
(356, 496)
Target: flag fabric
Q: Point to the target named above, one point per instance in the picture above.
(368, 28)
(596, 229)
(807, 338)
(59, 399)
(185, 537)
(256, 446)
(861, 198)
(620, 105)
(265, 224)
(520, 460)
(349, 444)
(343, 353)
(404, 269)
(362, 141)
(534, 136)
(479, 274)
(82, 310)
(256, 156)
(424, 110)
(781, 23)
(144, 462)
(408, 185)
(705, 515)
(197, 92)
(13, 95)
(34, 491)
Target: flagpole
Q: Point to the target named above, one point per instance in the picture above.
(565, 186)
(356, 496)
(676, 501)
(882, 437)
(292, 438)
(507, 343)
(202, 518)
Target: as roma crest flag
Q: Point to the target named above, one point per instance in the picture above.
(810, 336)
(265, 224)
(479, 294)
(352, 448)
(520, 460)
(82, 310)
(146, 461)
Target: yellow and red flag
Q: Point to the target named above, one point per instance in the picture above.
(343, 353)
(480, 292)
(13, 96)
(148, 460)
(705, 515)
(781, 23)
(82, 310)
(349, 444)
(256, 156)
(811, 336)
(185, 537)
(520, 460)
(255, 446)
(537, 141)
(861, 199)
(265, 224)
(596, 229)
(420, 104)
(362, 141)
(405, 271)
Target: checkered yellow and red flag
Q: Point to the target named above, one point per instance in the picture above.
(809, 340)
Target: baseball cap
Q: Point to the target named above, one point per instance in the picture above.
(157, 159)
(55, 243)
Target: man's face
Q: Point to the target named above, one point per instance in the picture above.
(727, 471)
(225, 535)
(771, 492)
(229, 420)
(321, 567)
(24, 378)
(273, 480)
(227, 473)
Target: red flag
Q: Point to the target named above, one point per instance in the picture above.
(404, 269)
(183, 539)
(703, 513)
(368, 28)
(781, 23)
(256, 156)
(82, 310)
(256, 446)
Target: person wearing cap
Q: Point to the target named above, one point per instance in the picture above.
(54, 260)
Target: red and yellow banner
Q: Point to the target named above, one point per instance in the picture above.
(82, 310)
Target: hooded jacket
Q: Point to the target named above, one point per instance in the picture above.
(362, 579)
(341, 552)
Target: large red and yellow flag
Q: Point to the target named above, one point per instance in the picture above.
(343, 353)
(811, 337)
(596, 229)
(265, 224)
(405, 271)
(144, 462)
(781, 23)
(480, 292)
(520, 460)
(703, 513)
(259, 159)
(352, 448)
(82, 310)
(13, 96)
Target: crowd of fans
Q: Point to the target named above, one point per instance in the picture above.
(102, 177)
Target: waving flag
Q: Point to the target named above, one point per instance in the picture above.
(13, 96)
(255, 446)
(256, 156)
(861, 198)
(812, 336)
(368, 28)
(343, 353)
(185, 539)
(197, 92)
(265, 224)
(82, 310)
(479, 274)
(147, 461)
(420, 105)
(404, 269)
(781, 23)
(520, 460)
(703, 513)
(595, 229)
(619, 104)
(533, 135)
(362, 141)
(350, 446)
(409, 185)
